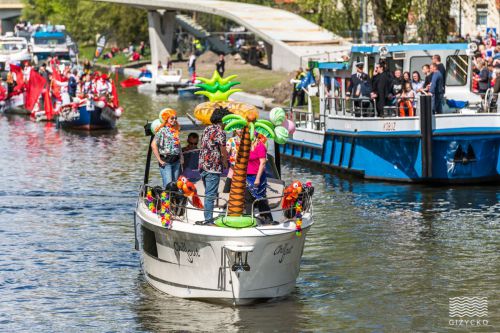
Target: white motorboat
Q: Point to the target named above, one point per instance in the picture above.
(13, 49)
(191, 258)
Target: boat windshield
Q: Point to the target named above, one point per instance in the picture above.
(50, 41)
(456, 70)
(11, 47)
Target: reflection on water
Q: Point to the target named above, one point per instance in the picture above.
(380, 258)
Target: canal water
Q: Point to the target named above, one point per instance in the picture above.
(380, 258)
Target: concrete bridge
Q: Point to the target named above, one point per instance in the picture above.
(290, 39)
(10, 10)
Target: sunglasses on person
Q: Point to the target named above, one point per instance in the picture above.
(173, 118)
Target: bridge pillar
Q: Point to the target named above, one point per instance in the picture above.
(161, 37)
(269, 54)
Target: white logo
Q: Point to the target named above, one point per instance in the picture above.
(468, 307)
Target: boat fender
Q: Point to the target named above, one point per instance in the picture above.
(236, 221)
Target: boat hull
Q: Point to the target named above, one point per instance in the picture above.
(461, 156)
(98, 119)
(196, 261)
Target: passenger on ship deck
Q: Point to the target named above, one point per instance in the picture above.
(191, 154)
(436, 89)
(192, 142)
(407, 101)
(213, 159)
(360, 88)
(257, 178)
(416, 82)
(167, 149)
(426, 69)
(381, 88)
(397, 86)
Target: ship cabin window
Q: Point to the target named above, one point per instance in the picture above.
(393, 64)
(456, 70)
(416, 64)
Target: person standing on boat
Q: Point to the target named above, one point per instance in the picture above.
(359, 88)
(426, 69)
(416, 82)
(397, 87)
(221, 65)
(381, 88)
(213, 159)
(257, 178)
(436, 89)
(297, 92)
(166, 147)
(436, 59)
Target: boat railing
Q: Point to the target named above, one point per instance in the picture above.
(365, 107)
(180, 210)
(306, 119)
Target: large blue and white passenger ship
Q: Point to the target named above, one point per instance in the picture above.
(461, 145)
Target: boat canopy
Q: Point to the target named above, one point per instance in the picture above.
(43, 34)
(407, 47)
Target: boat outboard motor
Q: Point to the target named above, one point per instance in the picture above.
(177, 199)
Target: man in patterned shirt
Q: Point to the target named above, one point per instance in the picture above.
(213, 159)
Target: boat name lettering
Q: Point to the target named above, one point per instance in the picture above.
(282, 251)
(191, 253)
(390, 126)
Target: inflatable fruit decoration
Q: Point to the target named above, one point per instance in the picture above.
(218, 90)
(281, 135)
(277, 116)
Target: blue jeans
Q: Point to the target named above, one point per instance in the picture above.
(170, 172)
(211, 183)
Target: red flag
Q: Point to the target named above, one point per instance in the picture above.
(55, 73)
(47, 102)
(34, 89)
(3, 93)
(19, 76)
(130, 82)
(116, 102)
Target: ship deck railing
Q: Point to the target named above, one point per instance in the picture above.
(182, 209)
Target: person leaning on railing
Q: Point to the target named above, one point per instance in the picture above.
(167, 149)
(257, 178)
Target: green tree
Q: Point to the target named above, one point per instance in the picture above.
(84, 19)
(390, 18)
(434, 27)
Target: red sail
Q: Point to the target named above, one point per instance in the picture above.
(34, 89)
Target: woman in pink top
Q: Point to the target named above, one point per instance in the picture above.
(257, 179)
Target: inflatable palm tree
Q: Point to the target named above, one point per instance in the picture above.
(236, 203)
(218, 90)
